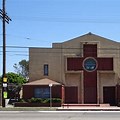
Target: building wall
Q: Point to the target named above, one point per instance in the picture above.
(39, 57)
(56, 58)
(74, 80)
(106, 79)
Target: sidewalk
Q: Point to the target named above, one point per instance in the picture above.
(63, 108)
(110, 108)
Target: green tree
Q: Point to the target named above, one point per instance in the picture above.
(22, 68)
(14, 78)
(15, 82)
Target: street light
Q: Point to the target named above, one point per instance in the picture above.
(50, 85)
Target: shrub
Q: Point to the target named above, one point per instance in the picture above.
(22, 100)
(56, 100)
(42, 100)
(46, 100)
(35, 100)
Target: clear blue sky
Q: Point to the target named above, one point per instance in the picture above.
(39, 23)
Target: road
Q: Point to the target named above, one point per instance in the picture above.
(58, 115)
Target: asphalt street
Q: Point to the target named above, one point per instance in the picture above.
(58, 115)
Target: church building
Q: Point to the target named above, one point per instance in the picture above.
(83, 70)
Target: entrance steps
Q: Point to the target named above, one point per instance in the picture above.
(85, 105)
(88, 107)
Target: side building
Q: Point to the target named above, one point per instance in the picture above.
(84, 70)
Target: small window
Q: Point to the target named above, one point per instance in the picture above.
(42, 93)
(90, 64)
(46, 69)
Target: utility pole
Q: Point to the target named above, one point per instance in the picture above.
(5, 18)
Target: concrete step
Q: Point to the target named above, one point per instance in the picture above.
(85, 105)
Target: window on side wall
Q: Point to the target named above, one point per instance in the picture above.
(41, 92)
(46, 69)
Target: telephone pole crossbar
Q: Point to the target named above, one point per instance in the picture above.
(5, 19)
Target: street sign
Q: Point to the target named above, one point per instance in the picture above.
(4, 84)
(5, 79)
(5, 94)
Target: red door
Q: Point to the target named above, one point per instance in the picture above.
(71, 94)
(109, 95)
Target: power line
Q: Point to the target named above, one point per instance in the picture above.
(15, 47)
(16, 51)
(34, 47)
(68, 20)
(114, 51)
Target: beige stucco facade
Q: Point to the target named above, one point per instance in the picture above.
(56, 58)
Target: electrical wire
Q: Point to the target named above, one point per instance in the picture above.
(68, 20)
(103, 51)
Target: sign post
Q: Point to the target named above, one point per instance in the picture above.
(50, 85)
(5, 18)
